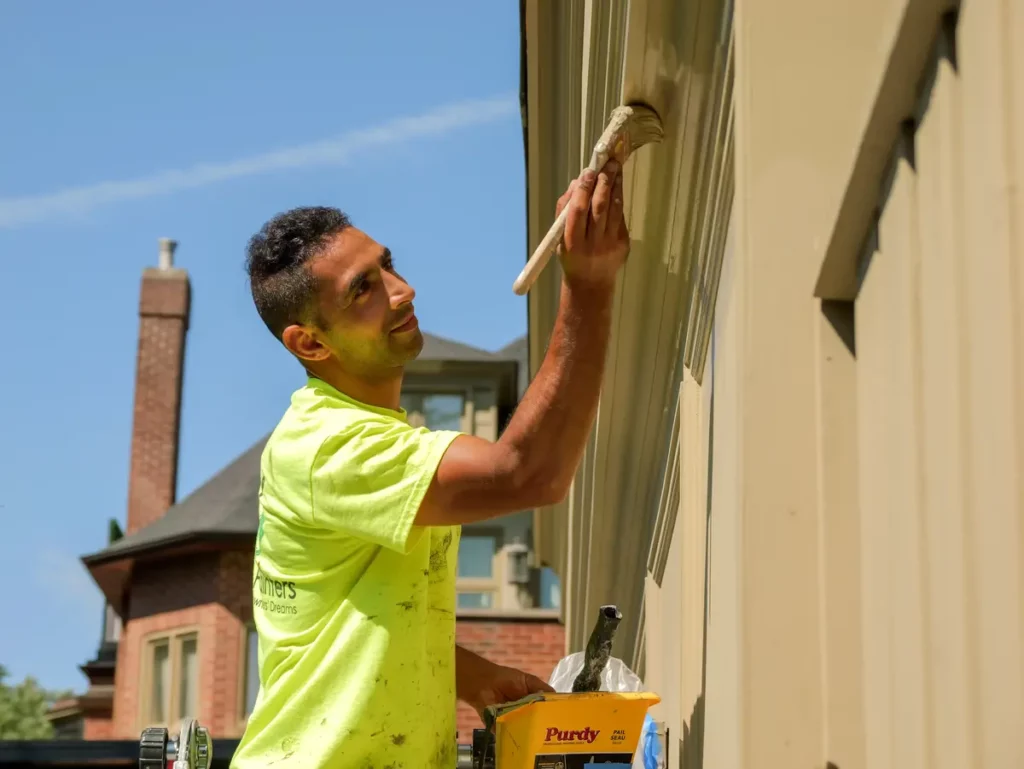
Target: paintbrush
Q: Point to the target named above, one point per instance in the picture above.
(629, 127)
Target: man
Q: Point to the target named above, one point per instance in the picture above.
(360, 513)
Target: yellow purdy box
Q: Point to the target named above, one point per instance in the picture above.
(571, 731)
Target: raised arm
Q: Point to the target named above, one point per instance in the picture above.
(534, 461)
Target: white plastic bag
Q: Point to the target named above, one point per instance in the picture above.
(615, 677)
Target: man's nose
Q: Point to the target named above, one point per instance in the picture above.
(399, 292)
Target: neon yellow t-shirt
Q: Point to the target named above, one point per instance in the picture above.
(354, 605)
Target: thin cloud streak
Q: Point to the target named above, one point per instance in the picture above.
(77, 201)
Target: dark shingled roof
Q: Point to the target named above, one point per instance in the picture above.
(439, 348)
(226, 505)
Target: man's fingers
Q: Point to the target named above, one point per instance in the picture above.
(534, 684)
(565, 198)
(602, 198)
(579, 208)
(560, 205)
(616, 210)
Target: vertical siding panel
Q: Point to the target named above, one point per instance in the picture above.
(840, 547)
(655, 651)
(724, 719)
(1013, 48)
(670, 606)
(939, 171)
(897, 264)
(873, 402)
(693, 512)
(673, 607)
(994, 395)
(871, 407)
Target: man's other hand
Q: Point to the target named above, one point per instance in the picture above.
(502, 684)
(482, 683)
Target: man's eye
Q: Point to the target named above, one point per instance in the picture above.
(362, 288)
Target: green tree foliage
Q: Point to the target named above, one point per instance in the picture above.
(23, 709)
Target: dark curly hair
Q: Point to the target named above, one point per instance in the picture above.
(278, 263)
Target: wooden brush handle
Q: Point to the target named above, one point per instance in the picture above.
(542, 255)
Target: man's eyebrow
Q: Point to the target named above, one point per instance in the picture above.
(359, 278)
(355, 283)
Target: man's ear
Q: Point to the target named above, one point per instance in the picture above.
(303, 343)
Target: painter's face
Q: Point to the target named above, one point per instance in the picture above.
(366, 319)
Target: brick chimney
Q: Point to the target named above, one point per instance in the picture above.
(163, 322)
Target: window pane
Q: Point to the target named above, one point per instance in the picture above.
(550, 589)
(252, 672)
(443, 412)
(161, 683)
(475, 600)
(189, 680)
(439, 411)
(476, 557)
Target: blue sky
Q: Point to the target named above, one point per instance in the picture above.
(198, 121)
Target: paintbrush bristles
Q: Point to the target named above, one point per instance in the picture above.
(629, 127)
(644, 126)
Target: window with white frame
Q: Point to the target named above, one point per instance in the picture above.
(171, 678)
(111, 625)
(478, 583)
(436, 410)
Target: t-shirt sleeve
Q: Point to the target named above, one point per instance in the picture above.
(368, 480)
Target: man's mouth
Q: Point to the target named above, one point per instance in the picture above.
(408, 324)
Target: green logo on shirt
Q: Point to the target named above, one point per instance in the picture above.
(270, 589)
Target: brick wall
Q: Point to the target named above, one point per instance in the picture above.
(532, 645)
(97, 728)
(234, 581)
(163, 321)
(210, 593)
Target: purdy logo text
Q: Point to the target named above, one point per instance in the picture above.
(587, 735)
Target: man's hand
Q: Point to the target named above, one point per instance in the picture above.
(596, 240)
(481, 683)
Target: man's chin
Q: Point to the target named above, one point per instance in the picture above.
(408, 345)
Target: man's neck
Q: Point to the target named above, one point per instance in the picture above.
(384, 392)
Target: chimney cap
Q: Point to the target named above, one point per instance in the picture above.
(167, 246)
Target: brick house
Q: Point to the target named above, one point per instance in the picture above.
(177, 633)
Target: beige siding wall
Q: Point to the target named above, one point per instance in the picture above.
(865, 586)
(835, 532)
(938, 371)
(675, 591)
